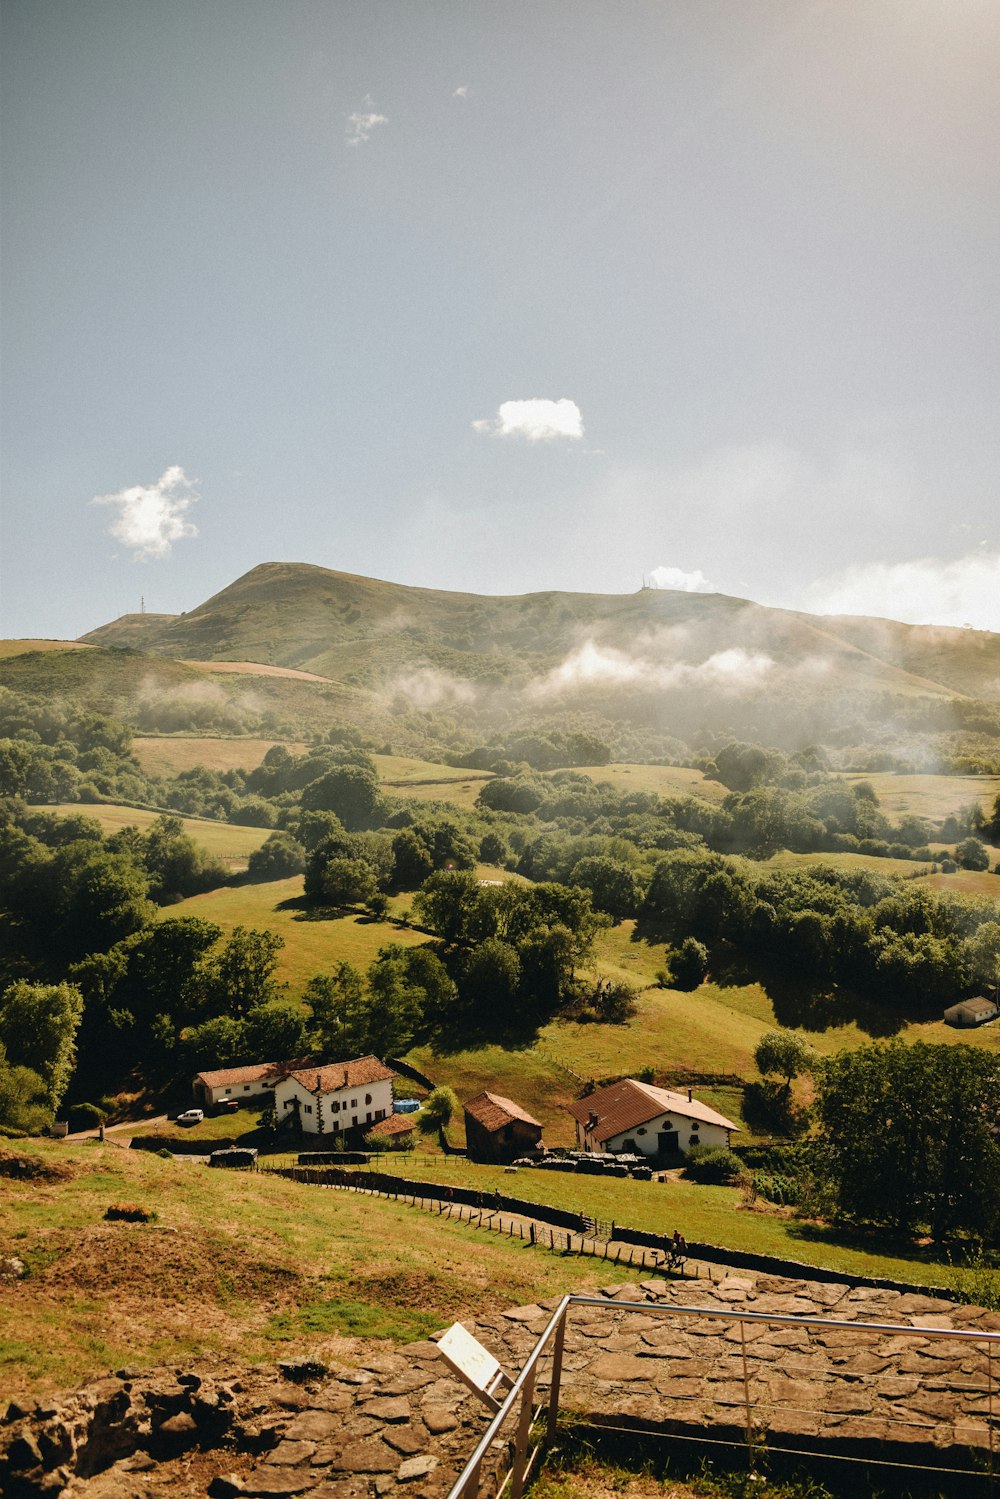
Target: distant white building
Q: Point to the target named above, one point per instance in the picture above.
(639, 1119)
(334, 1099)
(970, 1012)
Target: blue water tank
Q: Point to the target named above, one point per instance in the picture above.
(406, 1105)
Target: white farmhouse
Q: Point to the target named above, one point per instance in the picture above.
(642, 1120)
(337, 1098)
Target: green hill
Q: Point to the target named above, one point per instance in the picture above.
(355, 629)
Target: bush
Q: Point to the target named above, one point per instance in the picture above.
(713, 1164)
(86, 1115)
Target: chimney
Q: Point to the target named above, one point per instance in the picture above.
(592, 1119)
(690, 1098)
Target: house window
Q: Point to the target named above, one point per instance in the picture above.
(695, 1140)
(309, 1108)
(246, 1087)
(336, 1107)
(368, 1117)
(354, 1103)
(368, 1098)
(380, 1113)
(641, 1130)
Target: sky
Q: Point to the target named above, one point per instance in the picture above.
(501, 296)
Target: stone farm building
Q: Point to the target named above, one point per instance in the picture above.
(971, 1012)
(337, 1098)
(498, 1129)
(638, 1118)
(210, 1088)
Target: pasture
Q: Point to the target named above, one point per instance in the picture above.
(235, 1264)
(664, 780)
(24, 647)
(930, 796)
(169, 755)
(223, 840)
(314, 941)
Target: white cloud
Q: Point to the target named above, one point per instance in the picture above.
(927, 591)
(592, 665)
(361, 124)
(151, 517)
(537, 420)
(682, 582)
(462, 92)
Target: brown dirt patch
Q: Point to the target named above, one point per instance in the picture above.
(141, 1261)
(32, 1168)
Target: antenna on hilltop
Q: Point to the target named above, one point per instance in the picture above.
(142, 603)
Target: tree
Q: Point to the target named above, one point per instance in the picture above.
(38, 1026)
(971, 854)
(337, 1004)
(279, 857)
(612, 885)
(24, 1098)
(347, 882)
(911, 1138)
(437, 1111)
(689, 964)
(241, 976)
(784, 1053)
(351, 791)
(274, 1032)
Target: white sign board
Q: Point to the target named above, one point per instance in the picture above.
(469, 1358)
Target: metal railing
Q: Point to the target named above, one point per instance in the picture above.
(529, 1438)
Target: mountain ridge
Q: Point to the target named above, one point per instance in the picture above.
(350, 627)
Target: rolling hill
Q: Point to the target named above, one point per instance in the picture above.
(290, 649)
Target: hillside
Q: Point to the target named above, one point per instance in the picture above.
(346, 627)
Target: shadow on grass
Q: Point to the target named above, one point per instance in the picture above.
(872, 1241)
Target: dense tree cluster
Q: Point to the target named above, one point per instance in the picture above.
(911, 1137)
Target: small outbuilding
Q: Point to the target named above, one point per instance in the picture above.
(497, 1129)
(247, 1084)
(971, 1012)
(392, 1129)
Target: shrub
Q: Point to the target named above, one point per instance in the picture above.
(128, 1212)
(713, 1164)
(87, 1115)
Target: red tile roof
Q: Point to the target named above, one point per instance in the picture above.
(395, 1124)
(625, 1105)
(493, 1111)
(227, 1077)
(356, 1073)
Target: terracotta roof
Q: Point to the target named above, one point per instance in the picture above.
(395, 1124)
(337, 1075)
(625, 1105)
(228, 1076)
(493, 1111)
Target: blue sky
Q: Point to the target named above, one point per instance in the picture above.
(501, 297)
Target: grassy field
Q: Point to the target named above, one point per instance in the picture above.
(665, 780)
(936, 797)
(22, 647)
(785, 859)
(223, 840)
(313, 943)
(169, 755)
(427, 781)
(246, 1265)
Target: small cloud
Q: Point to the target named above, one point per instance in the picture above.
(927, 591)
(462, 92)
(151, 517)
(361, 124)
(680, 581)
(536, 420)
